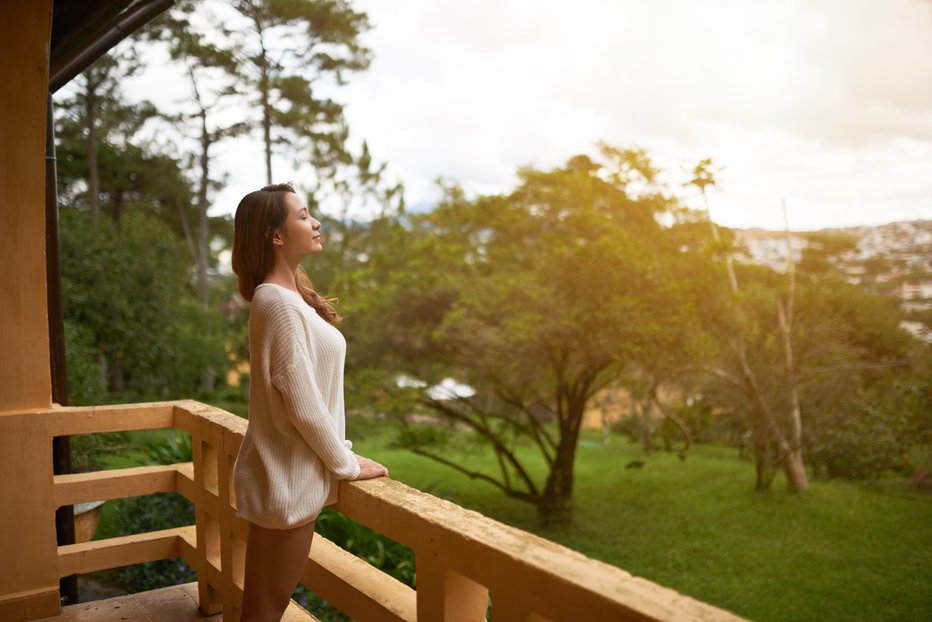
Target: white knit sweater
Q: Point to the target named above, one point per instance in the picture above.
(294, 449)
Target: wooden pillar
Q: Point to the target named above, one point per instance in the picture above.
(25, 379)
(28, 572)
(445, 595)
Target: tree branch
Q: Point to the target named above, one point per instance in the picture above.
(540, 434)
(533, 497)
(485, 432)
(688, 437)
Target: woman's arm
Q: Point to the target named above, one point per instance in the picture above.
(292, 374)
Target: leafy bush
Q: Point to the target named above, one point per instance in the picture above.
(155, 512)
(859, 445)
(152, 513)
(117, 278)
(85, 385)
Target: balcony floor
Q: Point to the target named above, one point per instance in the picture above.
(169, 604)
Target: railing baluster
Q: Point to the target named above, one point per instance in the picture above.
(445, 595)
(460, 554)
(208, 532)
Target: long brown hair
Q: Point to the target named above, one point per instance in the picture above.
(258, 214)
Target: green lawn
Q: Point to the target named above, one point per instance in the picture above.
(840, 552)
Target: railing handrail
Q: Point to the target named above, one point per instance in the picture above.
(462, 556)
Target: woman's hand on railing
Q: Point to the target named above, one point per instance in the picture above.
(369, 469)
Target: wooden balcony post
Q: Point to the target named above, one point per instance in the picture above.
(207, 525)
(25, 377)
(445, 595)
(508, 606)
(28, 550)
(28, 568)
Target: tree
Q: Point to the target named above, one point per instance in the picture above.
(125, 292)
(96, 129)
(864, 381)
(213, 75)
(292, 47)
(776, 426)
(536, 300)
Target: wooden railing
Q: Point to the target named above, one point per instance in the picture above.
(466, 562)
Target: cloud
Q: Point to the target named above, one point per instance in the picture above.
(828, 102)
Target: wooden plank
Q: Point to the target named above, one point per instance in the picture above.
(121, 551)
(115, 418)
(30, 604)
(201, 411)
(184, 419)
(177, 603)
(184, 480)
(113, 484)
(187, 548)
(354, 586)
(565, 584)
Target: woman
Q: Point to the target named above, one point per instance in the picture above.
(294, 450)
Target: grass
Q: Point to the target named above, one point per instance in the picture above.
(137, 454)
(840, 552)
(843, 551)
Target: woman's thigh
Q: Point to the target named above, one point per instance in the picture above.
(275, 559)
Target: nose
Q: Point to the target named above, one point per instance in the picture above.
(316, 224)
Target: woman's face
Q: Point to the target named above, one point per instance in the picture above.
(299, 234)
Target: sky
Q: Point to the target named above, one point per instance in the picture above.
(826, 104)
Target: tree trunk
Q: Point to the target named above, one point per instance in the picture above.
(117, 204)
(103, 373)
(117, 380)
(265, 94)
(186, 228)
(763, 461)
(792, 460)
(202, 237)
(645, 425)
(795, 470)
(555, 506)
(90, 117)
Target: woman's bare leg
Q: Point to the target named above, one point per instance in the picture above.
(274, 561)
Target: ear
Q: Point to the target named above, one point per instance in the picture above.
(275, 236)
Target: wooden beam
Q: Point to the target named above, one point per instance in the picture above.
(114, 484)
(121, 551)
(116, 418)
(184, 480)
(356, 587)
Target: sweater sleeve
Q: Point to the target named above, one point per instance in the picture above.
(293, 376)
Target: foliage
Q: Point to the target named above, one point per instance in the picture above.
(127, 300)
(489, 292)
(213, 75)
(155, 512)
(89, 451)
(99, 162)
(152, 513)
(535, 300)
(291, 46)
(85, 384)
(851, 358)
